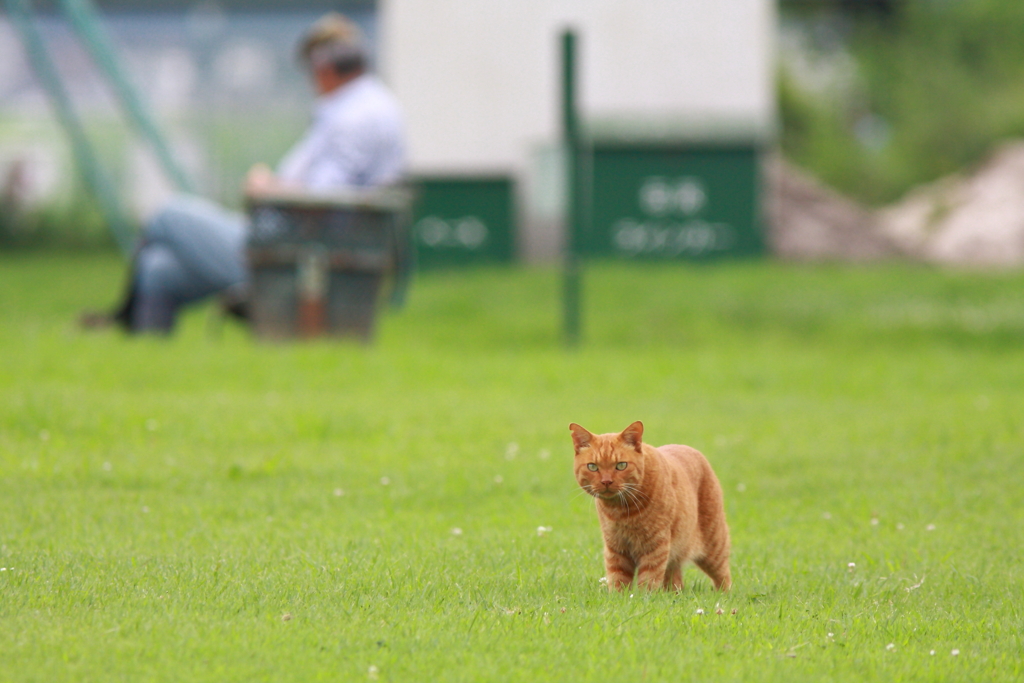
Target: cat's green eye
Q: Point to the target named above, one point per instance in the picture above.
(592, 466)
(621, 465)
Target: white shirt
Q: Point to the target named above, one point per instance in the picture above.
(356, 140)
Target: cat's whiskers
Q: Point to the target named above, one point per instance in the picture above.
(631, 492)
(628, 496)
(580, 491)
(588, 489)
(634, 490)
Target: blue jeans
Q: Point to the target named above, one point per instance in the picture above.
(191, 249)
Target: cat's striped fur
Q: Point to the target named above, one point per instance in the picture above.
(662, 509)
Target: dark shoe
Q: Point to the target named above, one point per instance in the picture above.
(235, 305)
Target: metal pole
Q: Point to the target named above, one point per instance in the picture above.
(88, 165)
(87, 25)
(571, 291)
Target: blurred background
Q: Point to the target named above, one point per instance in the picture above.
(803, 129)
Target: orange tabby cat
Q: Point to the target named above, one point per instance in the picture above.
(659, 509)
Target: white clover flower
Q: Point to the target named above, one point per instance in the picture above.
(890, 647)
(930, 527)
(603, 579)
(339, 492)
(384, 481)
(373, 672)
(955, 653)
(874, 521)
(932, 652)
(541, 530)
(498, 479)
(456, 531)
(899, 526)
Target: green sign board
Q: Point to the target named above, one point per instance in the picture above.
(681, 201)
(464, 220)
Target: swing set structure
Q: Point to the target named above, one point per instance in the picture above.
(84, 20)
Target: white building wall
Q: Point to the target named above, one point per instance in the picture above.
(479, 79)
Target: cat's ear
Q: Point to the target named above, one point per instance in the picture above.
(580, 436)
(632, 434)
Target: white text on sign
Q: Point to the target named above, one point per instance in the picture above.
(468, 232)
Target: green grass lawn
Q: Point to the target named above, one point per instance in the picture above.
(212, 508)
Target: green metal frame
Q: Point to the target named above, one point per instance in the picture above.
(572, 268)
(86, 23)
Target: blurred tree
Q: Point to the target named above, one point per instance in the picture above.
(937, 85)
(883, 9)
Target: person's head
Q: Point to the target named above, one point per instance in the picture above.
(334, 50)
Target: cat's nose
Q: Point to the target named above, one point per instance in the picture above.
(606, 482)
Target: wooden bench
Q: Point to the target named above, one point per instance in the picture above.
(320, 262)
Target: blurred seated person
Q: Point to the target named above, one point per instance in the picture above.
(193, 248)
